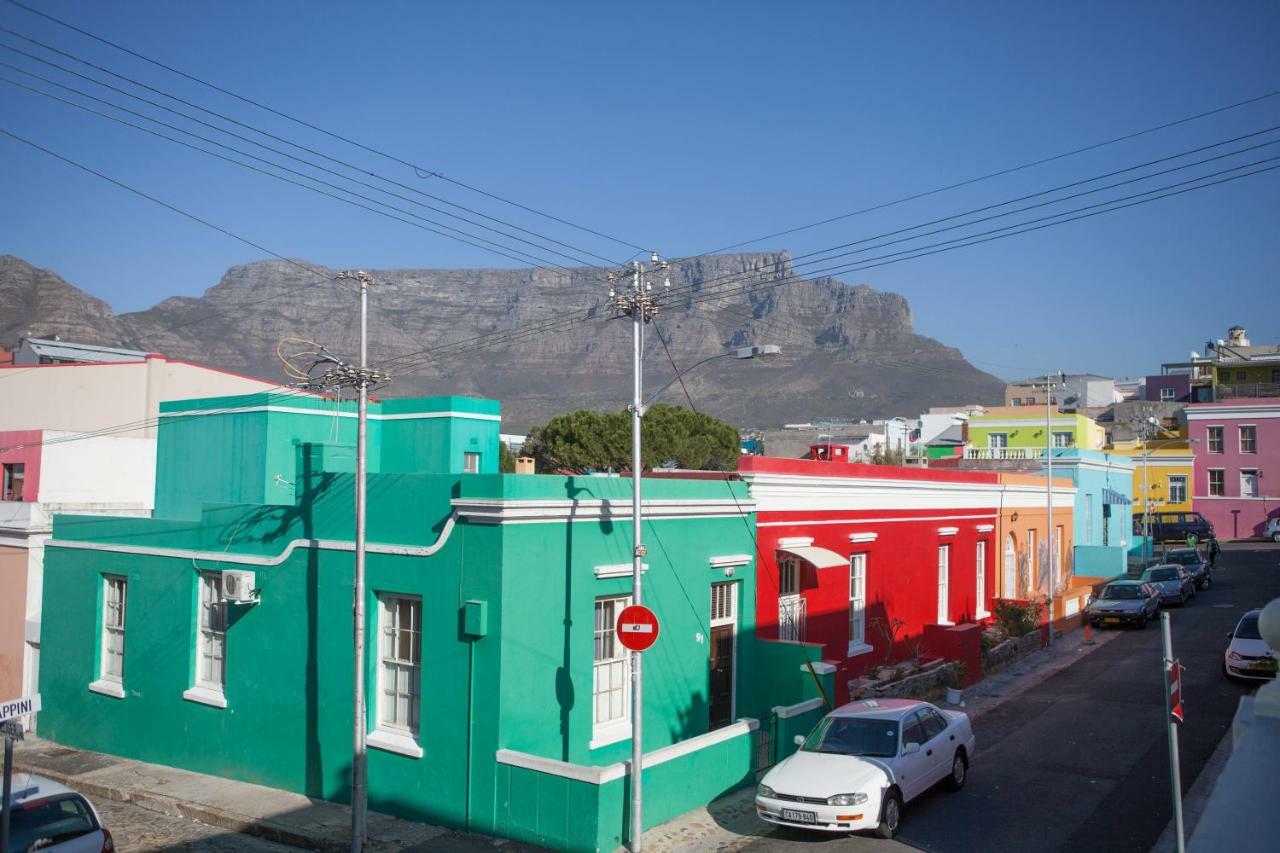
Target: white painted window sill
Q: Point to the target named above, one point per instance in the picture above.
(107, 688)
(206, 696)
(856, 649)
(612, 733)
(982, 614)
(397, 742)
(946, 622)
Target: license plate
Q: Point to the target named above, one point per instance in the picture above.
(1111, 620)
(798, 817)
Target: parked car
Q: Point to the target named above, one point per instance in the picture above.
(1248, 655)
(52, 818)
(1174, 526)
(1172, 583)
(1124, 603)
(1194, 562)
(862, 762)
(1272, 530)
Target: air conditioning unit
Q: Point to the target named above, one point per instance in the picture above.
(238, 586)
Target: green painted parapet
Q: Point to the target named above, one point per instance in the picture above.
(574, 807)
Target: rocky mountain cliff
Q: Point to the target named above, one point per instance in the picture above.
(848, 350)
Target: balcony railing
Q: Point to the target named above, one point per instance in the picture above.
(791, 619)
(1237, 390)
(1006, 453)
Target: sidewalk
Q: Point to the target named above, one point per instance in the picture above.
(1194, 800)
(730, 822)
(270, 813)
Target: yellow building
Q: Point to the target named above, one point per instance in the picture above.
(1167, 477)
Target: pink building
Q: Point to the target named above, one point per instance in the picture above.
(1237, 464)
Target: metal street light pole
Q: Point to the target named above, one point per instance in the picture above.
(640, 305)
(1048, 455)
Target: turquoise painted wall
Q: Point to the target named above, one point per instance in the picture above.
(525, 685)
(243, 449)
(1094, 473)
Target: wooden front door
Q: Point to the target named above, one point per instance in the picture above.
(721, 676)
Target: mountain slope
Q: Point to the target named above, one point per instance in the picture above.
(848, 351)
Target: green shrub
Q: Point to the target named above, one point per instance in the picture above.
(1018, 620)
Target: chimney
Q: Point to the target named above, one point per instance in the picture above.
(1237, 337)
(524, 465)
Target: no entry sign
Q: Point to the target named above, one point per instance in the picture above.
(1175, 691)
(637, 627)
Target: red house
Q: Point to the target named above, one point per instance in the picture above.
(845, 550)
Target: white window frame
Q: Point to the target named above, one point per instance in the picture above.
(470, 462)
(1253, 450)
(944, 585)
(616, 667)
(390, 732)
(1167, 395)
(1003, 440)
(1215, 431)
(1177, 488)
(858, 605)
(789, 598)
(1222, 485)
(1245, 475)
(1033, 562)
(115, 595)
(210, 639)
(1062, 438)
(980, 579)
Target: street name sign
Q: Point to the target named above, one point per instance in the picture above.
(19, 707)
(637, 627)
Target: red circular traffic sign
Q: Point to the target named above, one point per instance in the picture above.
(637, 627)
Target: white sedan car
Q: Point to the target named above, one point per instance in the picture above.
(862, 762)
(52, 818)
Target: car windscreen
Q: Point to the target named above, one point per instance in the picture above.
(854, 736)
(50, 821)
(1127, 591)
(1163, 574)
(1186, 558)
(1248, 629)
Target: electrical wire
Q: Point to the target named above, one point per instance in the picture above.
(535, 259)
(359, 169)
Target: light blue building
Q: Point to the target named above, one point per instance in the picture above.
(1103, 514)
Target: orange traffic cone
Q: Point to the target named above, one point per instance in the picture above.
(1088, 633)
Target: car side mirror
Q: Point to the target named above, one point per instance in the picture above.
(910, 748)
(1230, 634)
(799, 740)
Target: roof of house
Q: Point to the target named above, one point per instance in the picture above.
(1039, 380)
(70, 350)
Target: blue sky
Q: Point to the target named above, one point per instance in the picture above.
(689, 126)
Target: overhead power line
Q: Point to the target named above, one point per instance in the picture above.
(996, 174)
(359, 170)
(418, 170)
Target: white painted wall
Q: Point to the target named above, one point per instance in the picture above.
(115, 473)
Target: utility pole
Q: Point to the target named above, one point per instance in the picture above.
(361, 377)
(1048, 455)
(638, 303)
(1175, 772)
(341, 375)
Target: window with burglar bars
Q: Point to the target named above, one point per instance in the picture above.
(1177, 488)
(113, 604)
(857, 599)
(399, 662)
(211, 653)
(611, 674)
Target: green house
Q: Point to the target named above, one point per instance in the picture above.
(216, 636)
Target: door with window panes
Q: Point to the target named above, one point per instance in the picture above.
(724, 629)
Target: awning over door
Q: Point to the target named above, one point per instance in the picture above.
(820, 558)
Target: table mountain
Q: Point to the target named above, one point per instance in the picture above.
(848, 350)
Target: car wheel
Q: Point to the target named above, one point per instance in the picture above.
(1182, 600)
(1275, 537)
(959, 771)
(890, 815)
(1142, 623)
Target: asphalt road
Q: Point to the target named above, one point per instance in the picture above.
(1080, 762)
